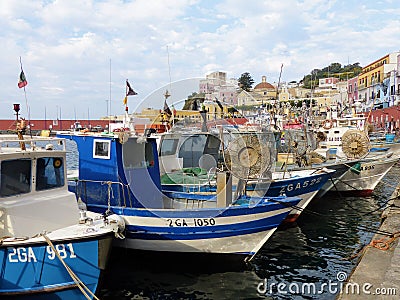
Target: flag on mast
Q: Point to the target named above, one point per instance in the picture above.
(129, 92)
(22, 82)
(167, 110)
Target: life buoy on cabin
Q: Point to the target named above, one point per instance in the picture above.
(327, 124)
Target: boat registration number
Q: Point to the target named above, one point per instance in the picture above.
(292, 187)
(367, 167)
(191, 222)
(26, 254)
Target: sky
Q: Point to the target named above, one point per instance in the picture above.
(78, 54)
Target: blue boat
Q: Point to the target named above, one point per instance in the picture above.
(49, 248)
(293, 183)
(122, 172)
(189, 163)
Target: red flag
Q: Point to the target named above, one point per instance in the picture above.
(22, 80)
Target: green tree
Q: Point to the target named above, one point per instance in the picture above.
(245, 81)
(193, 101)
(334, 69)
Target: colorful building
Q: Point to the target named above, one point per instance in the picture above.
(378, 82)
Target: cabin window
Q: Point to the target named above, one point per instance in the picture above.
(213, 142)
(101, 149)
(49, 173)
(15, 177)
(193, 143)
(168, 146)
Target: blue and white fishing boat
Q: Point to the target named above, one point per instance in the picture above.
(122, 172)
(49, 248)
(189, 164)
(292, 183)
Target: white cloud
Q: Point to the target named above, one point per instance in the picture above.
(66, 46)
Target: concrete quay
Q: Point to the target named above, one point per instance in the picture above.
(377, 274)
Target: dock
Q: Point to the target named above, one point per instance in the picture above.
(377, 274)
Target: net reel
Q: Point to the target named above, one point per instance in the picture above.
(355, 144)
(250, 155)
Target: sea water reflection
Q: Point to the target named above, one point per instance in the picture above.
(316, 250)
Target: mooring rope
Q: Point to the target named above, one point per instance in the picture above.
(380, 244)
(82, 287)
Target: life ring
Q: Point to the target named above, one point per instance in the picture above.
(57, 163)
(327, 124)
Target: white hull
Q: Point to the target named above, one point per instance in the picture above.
(246, 244)
(229, 234)
(372, 172)
(306, 199)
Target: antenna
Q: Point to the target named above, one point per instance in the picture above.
(166, 95)
(169, 69)
(109, 116)
(275, 110)
(279, 82)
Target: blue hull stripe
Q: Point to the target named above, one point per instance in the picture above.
(200, 213)
(197, 233)
(268, 223)
(195, 236)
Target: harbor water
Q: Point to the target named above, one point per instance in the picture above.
(308, 260)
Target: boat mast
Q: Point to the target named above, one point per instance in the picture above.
(275, 110)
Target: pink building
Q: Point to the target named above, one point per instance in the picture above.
(352, 89)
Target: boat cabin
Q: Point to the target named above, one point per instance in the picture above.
(188, 150)
(119, 169)
(33, 186)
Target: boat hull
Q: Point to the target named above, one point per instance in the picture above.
(33, 271)
(301, 207)
(237, 229)
(364, 183)
(341, 168)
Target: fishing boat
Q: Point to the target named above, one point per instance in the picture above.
(371, 172)
(122, 171)
(189, 161)
(346, 139)
(49, 248)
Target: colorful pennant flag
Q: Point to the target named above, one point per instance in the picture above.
(129, 92)
(167, 110)
(22, 82)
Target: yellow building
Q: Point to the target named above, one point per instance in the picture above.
(156, 116)
(249, 99)
(214, 111)
(373, 73)
(265, 89)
